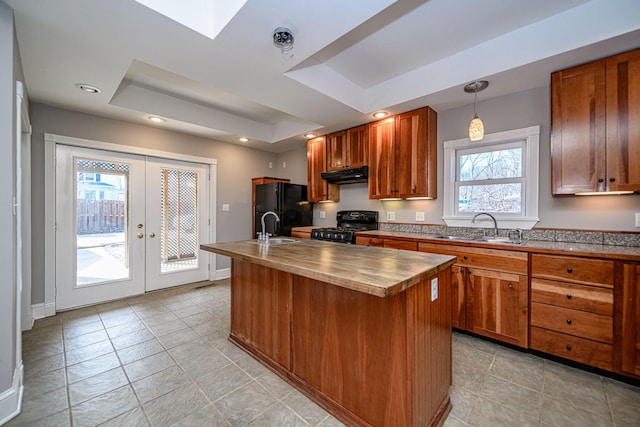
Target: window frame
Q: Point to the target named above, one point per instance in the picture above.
(530, 138)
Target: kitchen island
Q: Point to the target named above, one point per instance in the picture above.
(364, 332)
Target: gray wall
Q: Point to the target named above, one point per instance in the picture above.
(519, 110)
(9, 70)
(236, 166)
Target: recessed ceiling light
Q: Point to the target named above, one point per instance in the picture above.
(243, 139)
(155, 119)
(87, 88)
(310, 135)
(380, 114)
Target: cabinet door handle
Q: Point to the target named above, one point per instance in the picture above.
(464, 257)
(601, 180)
(510, 285)
(569, 347)
(568, 321)
(612, 179)
(569, 296)
(569, 270)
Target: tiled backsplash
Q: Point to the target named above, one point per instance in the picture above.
(542, 234)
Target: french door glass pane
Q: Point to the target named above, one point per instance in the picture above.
(179, 220)
(101, 221)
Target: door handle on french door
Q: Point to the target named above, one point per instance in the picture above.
(140, 235)
(152, 234)
(140, 226)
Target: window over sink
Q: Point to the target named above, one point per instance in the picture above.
(498, 175)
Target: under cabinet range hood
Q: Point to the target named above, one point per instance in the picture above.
(347, 176)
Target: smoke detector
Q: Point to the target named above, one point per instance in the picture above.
(283, 39)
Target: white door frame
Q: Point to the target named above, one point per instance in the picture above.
(50, 199)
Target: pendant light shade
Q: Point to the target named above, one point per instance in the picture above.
(476, 127)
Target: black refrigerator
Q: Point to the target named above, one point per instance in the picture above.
(288, 201)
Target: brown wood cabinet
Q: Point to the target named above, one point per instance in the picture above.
(257, 181)
(319, 190)
(572, 308)
(489, 291)
(403, 156)
(348, 148)
(627, 318)
(595, 145)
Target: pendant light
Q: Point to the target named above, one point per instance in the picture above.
(476, 128)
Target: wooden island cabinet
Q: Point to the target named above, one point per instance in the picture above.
(371, 346)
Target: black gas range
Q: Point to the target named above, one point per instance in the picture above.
(348, 224)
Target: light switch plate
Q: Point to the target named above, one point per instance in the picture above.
(322, 215)
(434, 289)
(637, 219)
(391, 216)
(419, 216)
(225, 206)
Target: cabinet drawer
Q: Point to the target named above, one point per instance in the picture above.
(401, 244)
(594, 272)
(576, 297)
(489, 259)
(573, 322)
(573, 348)
(370, 241)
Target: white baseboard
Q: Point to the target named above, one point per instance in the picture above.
(223, 273)
(11, 399)
(39, 311)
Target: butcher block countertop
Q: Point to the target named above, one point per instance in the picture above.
(623, 253)
(375, 271)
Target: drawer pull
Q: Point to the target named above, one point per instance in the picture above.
(464, 257)
(569, 296)
(568, 321)
(568, 347)
(569, 270)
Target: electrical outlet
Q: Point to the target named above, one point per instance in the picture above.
(391, 216)
(637, 219)
(284, 165)
(419, 216)
(434, 289)
(322, 215)
(225, 206)
(270, 165)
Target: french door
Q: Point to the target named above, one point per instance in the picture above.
(126, 224)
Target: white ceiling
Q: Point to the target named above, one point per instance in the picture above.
(350, 58)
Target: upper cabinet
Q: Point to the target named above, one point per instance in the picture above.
(595, 145)
(348, 148)
(402, 156)
(319, 190)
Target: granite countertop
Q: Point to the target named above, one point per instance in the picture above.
(624, 253)
(376, 271)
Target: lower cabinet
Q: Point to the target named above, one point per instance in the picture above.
(489, 294)
(572, 308)
(628, 318)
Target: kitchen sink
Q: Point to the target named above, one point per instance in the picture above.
(445, 237)
(280, 241)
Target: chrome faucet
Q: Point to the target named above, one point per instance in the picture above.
(495, 223)
(263, 237)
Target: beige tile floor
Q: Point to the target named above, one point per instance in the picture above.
(163, 359)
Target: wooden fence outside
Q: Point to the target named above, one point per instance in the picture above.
(100, 216)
